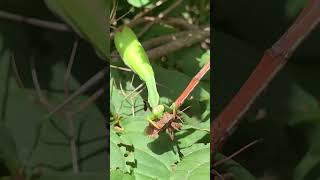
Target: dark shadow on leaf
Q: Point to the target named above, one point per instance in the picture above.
(162, 144)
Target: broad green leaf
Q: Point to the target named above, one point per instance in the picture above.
(192, 131)
(155, 158)
(89, 18)
(194, 165)
(117, 159)
(193, 148)
(119, 175)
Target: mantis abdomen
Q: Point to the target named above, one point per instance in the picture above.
(134, 56)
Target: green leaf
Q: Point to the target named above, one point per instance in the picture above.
(194, 165)
(119, 175)
(155, 158)
(194, 55)
(8, 151)
(125, 101)
(53, 134)
(35, 137)
(192, 131)
(117, 159)
(139, 3)
(89, 18)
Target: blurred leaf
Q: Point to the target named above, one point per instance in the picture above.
(237, 171)
(91, 144)
(72, 176)
(88, 18)
(5, 178)
(8, 151)
(52, 136)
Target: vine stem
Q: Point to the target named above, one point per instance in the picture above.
(193, 83)
(35, 22)
(271, 63)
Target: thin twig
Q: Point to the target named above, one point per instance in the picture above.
(192, 38)
(91, 99)
(139, 18)
(69, 67)
(120, 68)
(43, 99)
(92, 81)
(157, 41)
(271, 63)
(35, 22)
(179, 23)
(159, 17)
(236, 153)
(73, 143)
(144, 12)
(69, 115)
(215, 172)
(16, 72)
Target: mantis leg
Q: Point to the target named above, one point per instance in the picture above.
(153, 123)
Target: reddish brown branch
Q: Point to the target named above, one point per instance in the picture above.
(191, 39)
(272, 61)
(193, 83)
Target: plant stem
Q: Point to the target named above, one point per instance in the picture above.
(193, 83)
(35, 22)
(69, 115)
(271, 63)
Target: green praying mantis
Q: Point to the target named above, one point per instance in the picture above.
(135, 57)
